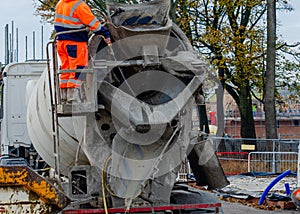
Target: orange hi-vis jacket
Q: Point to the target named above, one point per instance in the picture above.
(72, 47)
(74, 15)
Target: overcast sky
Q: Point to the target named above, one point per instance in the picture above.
(21, 12)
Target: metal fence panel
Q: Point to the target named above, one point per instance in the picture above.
(272, 161)
(270, 156)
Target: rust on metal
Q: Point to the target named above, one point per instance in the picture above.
(24, 176)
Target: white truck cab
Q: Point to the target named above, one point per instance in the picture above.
(18, 82)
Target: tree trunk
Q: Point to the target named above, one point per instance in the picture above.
(173, 11)
(220, 111)
(201, 106)
(245, 107)
(269, 107)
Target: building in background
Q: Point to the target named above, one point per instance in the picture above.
(288, 118)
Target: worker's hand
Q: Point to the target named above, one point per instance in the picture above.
(104, 32)
(108, 41)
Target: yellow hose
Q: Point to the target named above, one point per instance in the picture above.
(103, 183)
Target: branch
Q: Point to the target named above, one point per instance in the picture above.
(295, 55)
(210, 47)
(216, 16)
(280, 48)
(290, 45)
(232, 19)
(231, 90)
(49, 6)
(258, 19)
(256, 97)
(245, 17)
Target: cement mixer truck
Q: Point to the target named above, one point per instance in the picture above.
(121, 147)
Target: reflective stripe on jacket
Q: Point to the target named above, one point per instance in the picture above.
(74, 15)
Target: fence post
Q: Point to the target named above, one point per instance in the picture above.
(298, 168)
(273, 157)
(249, 162)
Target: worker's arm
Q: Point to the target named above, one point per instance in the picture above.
(85, 15)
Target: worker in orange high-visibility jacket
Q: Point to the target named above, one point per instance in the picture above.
(72, 47)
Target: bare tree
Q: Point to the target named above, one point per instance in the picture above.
(271, 129)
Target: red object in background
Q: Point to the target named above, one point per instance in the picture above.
(148, 209)
(213, 119)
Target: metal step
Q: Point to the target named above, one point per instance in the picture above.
(74, 109)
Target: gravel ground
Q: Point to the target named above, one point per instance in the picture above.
(236, 208)
(255, 186)
(258, 184)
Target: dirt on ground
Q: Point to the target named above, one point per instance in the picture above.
(244, 193)
(238, 208)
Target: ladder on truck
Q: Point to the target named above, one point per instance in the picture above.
(59, 108)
